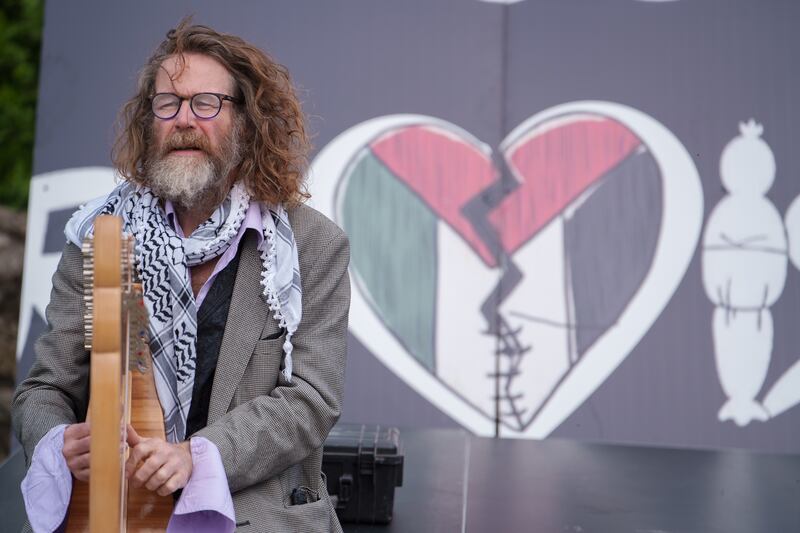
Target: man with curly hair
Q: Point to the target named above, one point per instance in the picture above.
(247, 292)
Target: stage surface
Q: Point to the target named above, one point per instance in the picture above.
(456, 482)
(453, 482)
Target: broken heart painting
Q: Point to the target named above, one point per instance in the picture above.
(507, 284)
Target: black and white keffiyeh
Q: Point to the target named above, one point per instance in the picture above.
(163, 261)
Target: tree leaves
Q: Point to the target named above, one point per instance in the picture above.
(20, 42)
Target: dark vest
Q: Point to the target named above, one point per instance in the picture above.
(211, 319)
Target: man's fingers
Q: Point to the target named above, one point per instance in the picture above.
(160, 477)
(133, 438)
(83, 444)
(174, 483)
(139, 453)
(150, 467)
(75, 450)
(159, 466)
(78, 463)
(82, 475)
(77, 447)
(76, 431)
(76, 440)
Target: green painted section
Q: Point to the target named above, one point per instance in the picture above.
(393, 250)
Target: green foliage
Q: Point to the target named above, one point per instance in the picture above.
(20, 41)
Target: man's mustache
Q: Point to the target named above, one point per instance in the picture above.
(187, 140)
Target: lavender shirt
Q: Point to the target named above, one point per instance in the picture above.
(205, 504)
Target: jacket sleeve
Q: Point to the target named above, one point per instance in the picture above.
(55, 391)
(285, 426)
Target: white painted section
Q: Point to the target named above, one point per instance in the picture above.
(52, 191)
(744, 272)
(542, 294)
(743, 348)
(785, 393)
(464, 352)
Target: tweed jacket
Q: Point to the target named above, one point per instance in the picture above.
(269, 432)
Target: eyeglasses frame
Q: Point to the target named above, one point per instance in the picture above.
(222, 97)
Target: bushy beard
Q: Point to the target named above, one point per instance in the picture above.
(193, 182)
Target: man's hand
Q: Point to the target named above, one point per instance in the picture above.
(76, 450)
(160, 466)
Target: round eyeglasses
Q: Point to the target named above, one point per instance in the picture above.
(203, 105)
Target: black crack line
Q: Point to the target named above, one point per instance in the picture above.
(508, 348)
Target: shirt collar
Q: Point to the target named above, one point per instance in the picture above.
(252, 220)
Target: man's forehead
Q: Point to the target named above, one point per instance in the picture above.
(193, 72)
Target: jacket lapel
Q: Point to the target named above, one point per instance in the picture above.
(246, 319)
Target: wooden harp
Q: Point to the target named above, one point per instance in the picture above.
(122, 389)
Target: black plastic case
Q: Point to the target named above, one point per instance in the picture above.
(363, 465)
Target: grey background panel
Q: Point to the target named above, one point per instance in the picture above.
(352, 60)
(54, 238)
(698, 67)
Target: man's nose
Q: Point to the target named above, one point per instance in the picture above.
(185, 117)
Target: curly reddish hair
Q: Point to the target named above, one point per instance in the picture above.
(275, 145)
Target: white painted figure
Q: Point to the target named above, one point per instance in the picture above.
(786, 391)
(744, 272)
